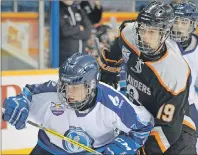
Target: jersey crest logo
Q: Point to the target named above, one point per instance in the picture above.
(115, 100)
(79, 135)
(57, 108)
(138, 66)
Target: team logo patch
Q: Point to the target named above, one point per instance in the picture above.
(125, 54)
(79, 135)
(115, 100)
(138, 66)
(57, 108)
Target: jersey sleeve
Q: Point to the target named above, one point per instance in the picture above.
(134, 121)
(39, 95)
(171, 117)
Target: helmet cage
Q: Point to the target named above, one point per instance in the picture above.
(78, 70)
(146, 48)
(76, 105)
(179, 34)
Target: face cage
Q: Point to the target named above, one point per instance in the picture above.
(146, 49)
(61, 91)
(178, 35)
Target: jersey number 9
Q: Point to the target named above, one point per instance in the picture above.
(166, 112)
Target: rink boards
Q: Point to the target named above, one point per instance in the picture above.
(21, 141)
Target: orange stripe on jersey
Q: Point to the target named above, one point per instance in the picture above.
(129, 44)
(159, 141)
(189, 122)
(189, 125)
(163, 84)
(109, 60)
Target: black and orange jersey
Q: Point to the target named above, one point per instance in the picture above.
(162, 86)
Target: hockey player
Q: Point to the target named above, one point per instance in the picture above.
(157, 78)
(84, 110)
(183, 33)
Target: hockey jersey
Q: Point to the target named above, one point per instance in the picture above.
(162, 86)
(191, 57)
(94, 128)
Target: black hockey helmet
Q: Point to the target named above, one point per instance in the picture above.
(157, 14)
(157, 17)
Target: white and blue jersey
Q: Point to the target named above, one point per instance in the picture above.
(95, 128)
(190, 54)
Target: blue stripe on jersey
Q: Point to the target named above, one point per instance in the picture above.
(118, 103)
(183, 52)
(46, 87)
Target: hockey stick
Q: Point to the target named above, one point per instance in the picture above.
(62, 137)
(97, 45)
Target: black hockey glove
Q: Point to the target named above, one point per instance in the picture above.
(110, 69)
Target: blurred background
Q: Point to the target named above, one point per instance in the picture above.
(28, 29)
(30, 46)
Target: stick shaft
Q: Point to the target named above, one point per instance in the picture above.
(62, 136)
(97, 45)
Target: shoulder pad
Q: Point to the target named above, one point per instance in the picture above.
(122, 26)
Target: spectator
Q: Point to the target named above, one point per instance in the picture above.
(75, 29)
(94, 13)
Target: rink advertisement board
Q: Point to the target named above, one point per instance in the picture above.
(12, 84)
(20, 33)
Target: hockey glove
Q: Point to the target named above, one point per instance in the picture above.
(121, 145)
(16, 110)
(109, 69)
